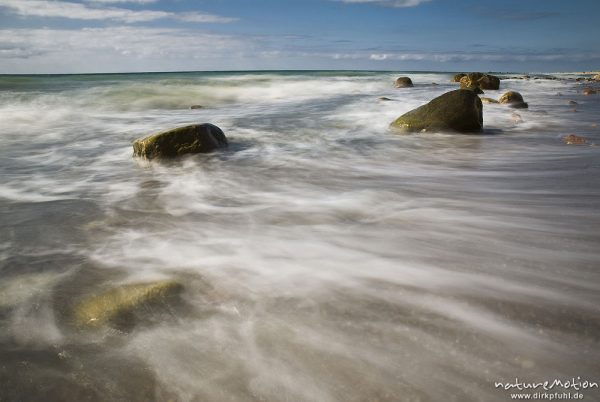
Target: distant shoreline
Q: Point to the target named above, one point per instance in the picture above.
(291, 71)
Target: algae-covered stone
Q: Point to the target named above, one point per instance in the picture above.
(457, 77)
(474, 81)
(404, 82)
(489, 100)
(459, 110)
(192, 139)
(573, 139)
(489, 81)
(513, 99)
(121, 302)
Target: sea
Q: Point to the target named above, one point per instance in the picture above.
(324, 257)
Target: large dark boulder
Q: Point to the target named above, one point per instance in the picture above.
(513, 99)
(460, 111)
(479, 80)
(404, 82)
(196, 138)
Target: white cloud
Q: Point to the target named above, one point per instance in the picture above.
(78, 11)
(117, 49)
(138, 41)
(389, 3)
(201, 17)
(478, 56)
(122, 1)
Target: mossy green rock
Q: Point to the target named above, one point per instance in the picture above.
(404, 82)
(489, 100)
(121, 302)
(196, 138)
(513, 99)
(460, 111)
(479, 80)
(458, 77)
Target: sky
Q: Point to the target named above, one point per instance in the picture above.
(94, 36)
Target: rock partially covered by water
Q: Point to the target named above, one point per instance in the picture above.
(573, 139)
(513, 99)
(489, 100)
(119, 304)
(589, 91)
(597, 77)
(192, 139)
(459, 110)
(457, 77)
(473, 81)
(403, 82)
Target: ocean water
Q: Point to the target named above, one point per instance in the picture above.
(324, 257)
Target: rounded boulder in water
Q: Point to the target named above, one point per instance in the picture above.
(404, 82)
(192, 139)
(513, 99)
(460, 111)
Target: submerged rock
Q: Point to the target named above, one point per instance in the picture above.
(573, 139)
(121, 303)
(516, 118)
(403, 82)
(489, 100)
(481, 81)
(384, 98)
(459, 110)
(196, 107)
(513, 99)
(572, 102)
(196, 138)
(589, 91)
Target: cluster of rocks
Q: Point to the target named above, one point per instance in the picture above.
(460, 111)
(477, 82)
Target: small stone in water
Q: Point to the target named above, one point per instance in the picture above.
(573, 139)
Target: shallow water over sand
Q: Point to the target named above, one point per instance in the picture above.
(324, 257)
